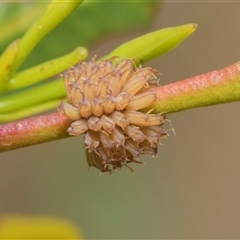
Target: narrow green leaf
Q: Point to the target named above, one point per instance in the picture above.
(56, 12)
(31, 96)
(47, 69)
(153, 44)
(28, 111)
(6, 60)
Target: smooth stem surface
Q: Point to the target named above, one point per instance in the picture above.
(222, 86)
(33, 131)
(216, 87)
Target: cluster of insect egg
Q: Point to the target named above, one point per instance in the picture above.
(104, 102)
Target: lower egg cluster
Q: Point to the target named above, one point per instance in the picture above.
(104, 103)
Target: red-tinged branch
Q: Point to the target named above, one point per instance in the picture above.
(33, 131)
(216, 87)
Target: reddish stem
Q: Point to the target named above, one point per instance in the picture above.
(33, 131)
(216, 87)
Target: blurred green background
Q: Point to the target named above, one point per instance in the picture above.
(190, 191)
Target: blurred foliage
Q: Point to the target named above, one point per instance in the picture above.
(26, 227)
(15, 18)
(86, 25)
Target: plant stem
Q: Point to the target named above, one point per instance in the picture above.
(215, 87)
(33, 131)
